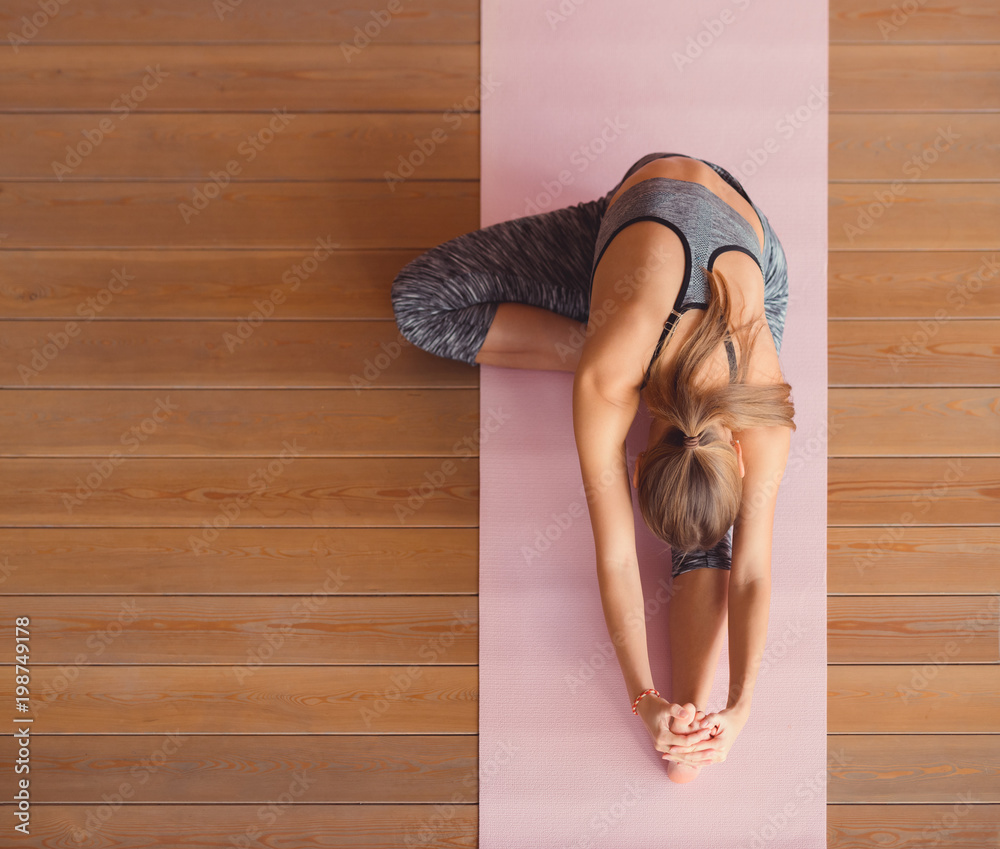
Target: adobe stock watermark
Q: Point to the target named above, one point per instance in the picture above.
(607, 816)
(292, 278)
(302, 611)
(582, 158)
(230, 510)
(453, 118)
(806, 791)
(944, 825)
(884, 199)
(248, 149)
(466, 447)
(892, 534)
(403, 680)
(430, 827)
(269, 814)
(901, 13)
(696, 45)
(88, 309)
(784, 128)
(375, 367)
(958, 295)
(122, 106)
(106, 466)
(97, 643)
(920, 679)
(625, 286)
(372, 29)
(30, 27)
(586, 668)
(97, 818)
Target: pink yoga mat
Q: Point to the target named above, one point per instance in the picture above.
(573, 93)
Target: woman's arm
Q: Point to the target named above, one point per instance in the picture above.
(750, 574)
(601, 420)
(765, 454)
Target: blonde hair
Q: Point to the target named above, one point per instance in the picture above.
(690, 497)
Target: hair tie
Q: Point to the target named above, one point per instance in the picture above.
(691, 441)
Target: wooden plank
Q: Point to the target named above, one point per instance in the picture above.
(914, 560)
(347, 826)
(248, 768)
(313, 146)
(915, 78)
(223, 423)
(118, 80)
(932, 697)
(258, 699)
(924, 768)
(312, 218)
(234, 21)
(907, 216)
(913, 422)
(904, 284)
(874, 146)
(921, 491)
(210, 495)
(924, 352)
(960, 825)
(221, 284)
(892, 21)
(275, 561)
(243, 633)
(894, 629)
(222, 354)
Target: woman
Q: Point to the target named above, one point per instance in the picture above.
(586, 289)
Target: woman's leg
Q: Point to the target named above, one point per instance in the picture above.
(447, 300)
(698, 625)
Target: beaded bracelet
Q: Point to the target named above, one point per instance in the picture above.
(638, 698)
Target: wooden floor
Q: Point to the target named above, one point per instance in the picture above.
(238, 636)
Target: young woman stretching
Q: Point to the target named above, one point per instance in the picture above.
(586, 289)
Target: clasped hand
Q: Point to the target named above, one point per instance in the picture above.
(704, 740)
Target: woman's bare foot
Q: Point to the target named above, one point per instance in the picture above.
(683, 773)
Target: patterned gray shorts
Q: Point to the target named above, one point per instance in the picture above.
(445, 299)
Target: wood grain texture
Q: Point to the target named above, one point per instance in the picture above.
(932, 697)
(915, 78)
(331, 626)
(924, 768)
(874, 146)
(914, 422)
(330, 423)
(107, 21)
(257, 768)
(247, 632)
(312, 146)
(906, 216)
(196, 284)
(212, 495)
(920, 352)
(266, 561)
(311, 218)
(960, 825)
(887, 629)
(275, 353)
(118, 80)
(918, 283)
(918, 491)
(334, 826)
(258, 698)
(884, 21)
(913, 559)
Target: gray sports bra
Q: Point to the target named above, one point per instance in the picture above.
(706, 225)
